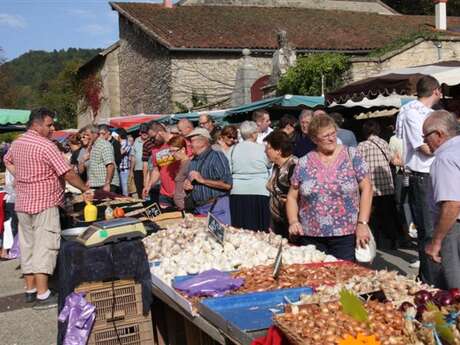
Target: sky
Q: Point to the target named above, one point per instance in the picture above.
(56, 24)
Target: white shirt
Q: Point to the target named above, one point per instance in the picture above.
(261, 136)
(409, 128)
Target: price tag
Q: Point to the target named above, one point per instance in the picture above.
(153, 210)
(278, 262)
(216, 228)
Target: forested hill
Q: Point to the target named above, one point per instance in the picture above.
(37, 67)
(39, 78)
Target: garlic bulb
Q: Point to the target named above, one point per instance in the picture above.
(188, 248)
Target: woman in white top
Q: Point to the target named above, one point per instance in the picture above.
(249, 197)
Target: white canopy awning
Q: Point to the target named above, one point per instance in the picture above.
(446, 73)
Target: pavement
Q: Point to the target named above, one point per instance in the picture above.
(21, 325)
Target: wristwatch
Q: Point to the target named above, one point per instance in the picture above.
(362, 222)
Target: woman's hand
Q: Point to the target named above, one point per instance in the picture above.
(363, 235)
(295, 229)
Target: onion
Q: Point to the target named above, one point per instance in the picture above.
(443, 298)
(455, 294)
(422, 297)
(420, 310)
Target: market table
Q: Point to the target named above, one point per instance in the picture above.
(176, 326)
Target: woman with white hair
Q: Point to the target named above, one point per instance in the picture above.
(249, 197)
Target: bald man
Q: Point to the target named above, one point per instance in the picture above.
(185, 127)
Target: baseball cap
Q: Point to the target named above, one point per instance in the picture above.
(201, 132)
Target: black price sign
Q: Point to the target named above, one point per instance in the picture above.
(153, 210)
(216, 228)
(278, 262)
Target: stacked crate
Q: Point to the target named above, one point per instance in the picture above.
(119, 318)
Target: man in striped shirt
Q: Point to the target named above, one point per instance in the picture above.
(209, 177)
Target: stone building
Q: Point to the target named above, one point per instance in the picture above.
(103, 70)
(170, 57)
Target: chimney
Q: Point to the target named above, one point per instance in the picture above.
(441, 14)
(168, 4)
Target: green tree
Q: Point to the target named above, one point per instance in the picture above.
(305, 78)
(62, 94)
(8, 93)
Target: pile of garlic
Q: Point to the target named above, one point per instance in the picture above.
(188, 248)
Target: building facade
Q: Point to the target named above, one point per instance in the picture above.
(180, 58)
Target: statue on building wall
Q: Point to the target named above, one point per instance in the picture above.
(283, 58)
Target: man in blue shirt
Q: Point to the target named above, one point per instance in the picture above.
(344, 136)
(209, 178)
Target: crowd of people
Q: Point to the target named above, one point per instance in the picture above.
(308, 180)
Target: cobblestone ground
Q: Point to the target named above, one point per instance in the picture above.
(20, 325)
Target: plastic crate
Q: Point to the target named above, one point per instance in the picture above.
(129, 333)
(128, 300)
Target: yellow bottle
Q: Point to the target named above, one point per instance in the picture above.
(90, 212)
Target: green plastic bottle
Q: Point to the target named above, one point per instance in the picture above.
(90, 212)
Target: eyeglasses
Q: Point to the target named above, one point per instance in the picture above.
(328, 136)
(429, 133)
(203, 123)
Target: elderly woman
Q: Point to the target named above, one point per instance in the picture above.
(279, 150)
(88, 134)
(329, 202)
(250, 168)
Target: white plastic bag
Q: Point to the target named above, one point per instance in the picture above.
(366, 254)
(8, 237)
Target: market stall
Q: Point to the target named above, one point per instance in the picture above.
(391, 88)
(215, 284)
(187, 262)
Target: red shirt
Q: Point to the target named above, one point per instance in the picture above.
(168, 167)
(39, 167)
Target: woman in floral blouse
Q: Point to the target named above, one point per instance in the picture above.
(279, 150)
(330, 198)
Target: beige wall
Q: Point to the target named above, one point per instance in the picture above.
(210, 74)
(423, 53)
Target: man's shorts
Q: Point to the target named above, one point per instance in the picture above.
(39, 241)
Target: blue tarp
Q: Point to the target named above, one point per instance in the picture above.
(286, 101)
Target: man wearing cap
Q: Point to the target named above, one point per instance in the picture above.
(136, 158)
(209, 178)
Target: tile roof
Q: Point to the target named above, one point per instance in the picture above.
(211, 27)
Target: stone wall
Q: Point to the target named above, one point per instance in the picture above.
(352, 5)
(109, 74)
(423, 53)
(210, 74)
(145, 72)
